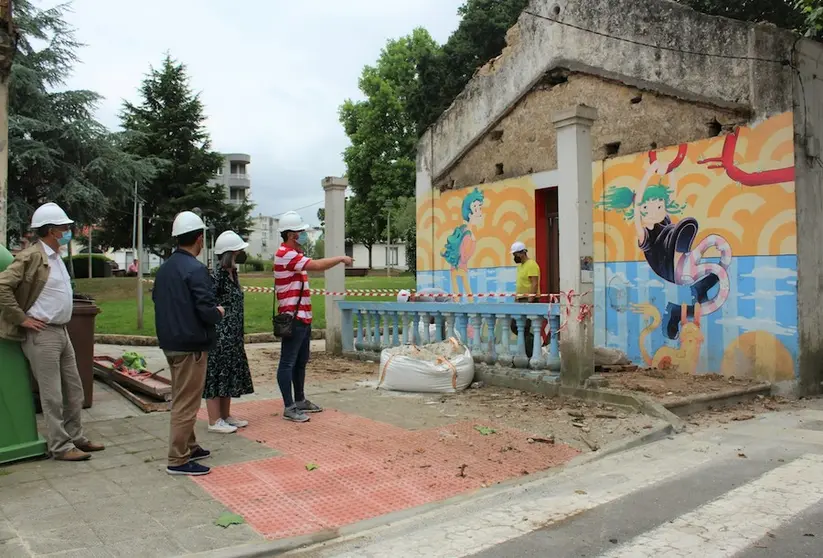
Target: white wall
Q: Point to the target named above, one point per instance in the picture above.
(361, 256)
(264, 238)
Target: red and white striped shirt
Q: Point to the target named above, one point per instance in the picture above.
(289, 272)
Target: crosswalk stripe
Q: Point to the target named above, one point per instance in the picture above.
(735, 521)
(466, 534)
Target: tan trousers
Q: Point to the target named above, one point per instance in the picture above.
(51, 357)
(188, 377)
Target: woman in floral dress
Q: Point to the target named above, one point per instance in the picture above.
(228, 373)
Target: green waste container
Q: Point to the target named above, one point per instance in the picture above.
(18, 435)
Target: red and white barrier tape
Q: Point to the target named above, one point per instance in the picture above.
(553, 298)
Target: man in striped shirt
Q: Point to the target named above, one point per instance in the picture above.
(291, 282)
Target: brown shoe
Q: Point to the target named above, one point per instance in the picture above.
(73, 454)
(90, 446)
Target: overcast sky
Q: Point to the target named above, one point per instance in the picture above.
(271, 73)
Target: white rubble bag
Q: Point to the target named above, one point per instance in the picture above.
(445, 367)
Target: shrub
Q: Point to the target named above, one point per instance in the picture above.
(101, 266)
(256, 265)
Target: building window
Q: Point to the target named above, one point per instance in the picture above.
(392, 259)
(220, 171)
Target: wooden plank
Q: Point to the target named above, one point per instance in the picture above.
(145, 405)
(155, 386)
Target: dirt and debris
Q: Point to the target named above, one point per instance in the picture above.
(670, 385)
(348, 385)
(744, 411)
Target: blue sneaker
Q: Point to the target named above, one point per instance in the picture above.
(199, 453)
(191, 469)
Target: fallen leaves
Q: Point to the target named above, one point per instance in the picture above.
(228, 518)
(311, 467)
(485, 430)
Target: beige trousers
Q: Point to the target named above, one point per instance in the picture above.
(51, 357)
(188, 377)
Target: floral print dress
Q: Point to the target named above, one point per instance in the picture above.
(228, 373)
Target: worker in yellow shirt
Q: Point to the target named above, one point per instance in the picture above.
(527, 287)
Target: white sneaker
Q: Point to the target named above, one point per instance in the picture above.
(239, 423)
(222, 427)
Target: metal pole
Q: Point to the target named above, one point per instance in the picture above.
(388, 240)
(140, 265)
(134, 225)
(91, 275)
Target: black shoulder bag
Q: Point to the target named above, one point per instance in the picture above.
(282, 323)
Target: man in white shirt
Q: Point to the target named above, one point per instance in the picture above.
(35, 307)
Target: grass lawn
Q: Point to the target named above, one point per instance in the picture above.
(117, 298)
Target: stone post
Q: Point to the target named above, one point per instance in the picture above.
(574, 201)
(335, 245)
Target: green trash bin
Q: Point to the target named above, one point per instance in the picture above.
(18, 435)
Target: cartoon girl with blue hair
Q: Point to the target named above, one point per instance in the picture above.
(461, 244)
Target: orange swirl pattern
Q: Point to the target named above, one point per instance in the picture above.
(755, 220)
(508, 210)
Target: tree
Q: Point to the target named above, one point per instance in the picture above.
(167, 126)
(788, 14)
(321, 216)
(361, 225)
(380, 161)
(57, 151)
(812, 10)
(444, 73)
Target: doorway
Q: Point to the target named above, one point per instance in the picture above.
(547, 241)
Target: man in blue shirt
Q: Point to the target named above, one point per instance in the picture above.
(185, 315)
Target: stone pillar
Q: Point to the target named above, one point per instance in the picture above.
(335, 245)
(574, 200)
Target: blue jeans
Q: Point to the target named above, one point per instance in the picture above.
(294, 354)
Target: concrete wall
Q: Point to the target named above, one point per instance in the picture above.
(733, 81)
(629, 120)
(808, 122)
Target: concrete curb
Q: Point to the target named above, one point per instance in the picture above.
(695, 404)
(146, 341)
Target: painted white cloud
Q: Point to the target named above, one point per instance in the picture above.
(791, 283)
(617, 279)
(758, 324)
(766, 295)
(655, 283)
(771, 273)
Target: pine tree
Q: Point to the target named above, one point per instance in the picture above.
(167, 126)
(57, 150)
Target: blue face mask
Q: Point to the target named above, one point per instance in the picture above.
(303, 238)
(65, 239)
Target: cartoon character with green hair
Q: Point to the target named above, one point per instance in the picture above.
(667, 246)
(461, 244)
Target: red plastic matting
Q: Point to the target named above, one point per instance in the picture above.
(364, 468)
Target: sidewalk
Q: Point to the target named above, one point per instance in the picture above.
(371, 453)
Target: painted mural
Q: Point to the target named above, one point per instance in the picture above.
(695, 250)
(464, 235)
(696, 254)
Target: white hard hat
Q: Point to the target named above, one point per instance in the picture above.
(229, 241)
(292, 221)
(186, 222)
(403, 295)
(49, 214)
(518, 247)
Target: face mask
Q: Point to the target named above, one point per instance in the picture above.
(240, 258)
(303, 238)
(518, 259)
(65, 239)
